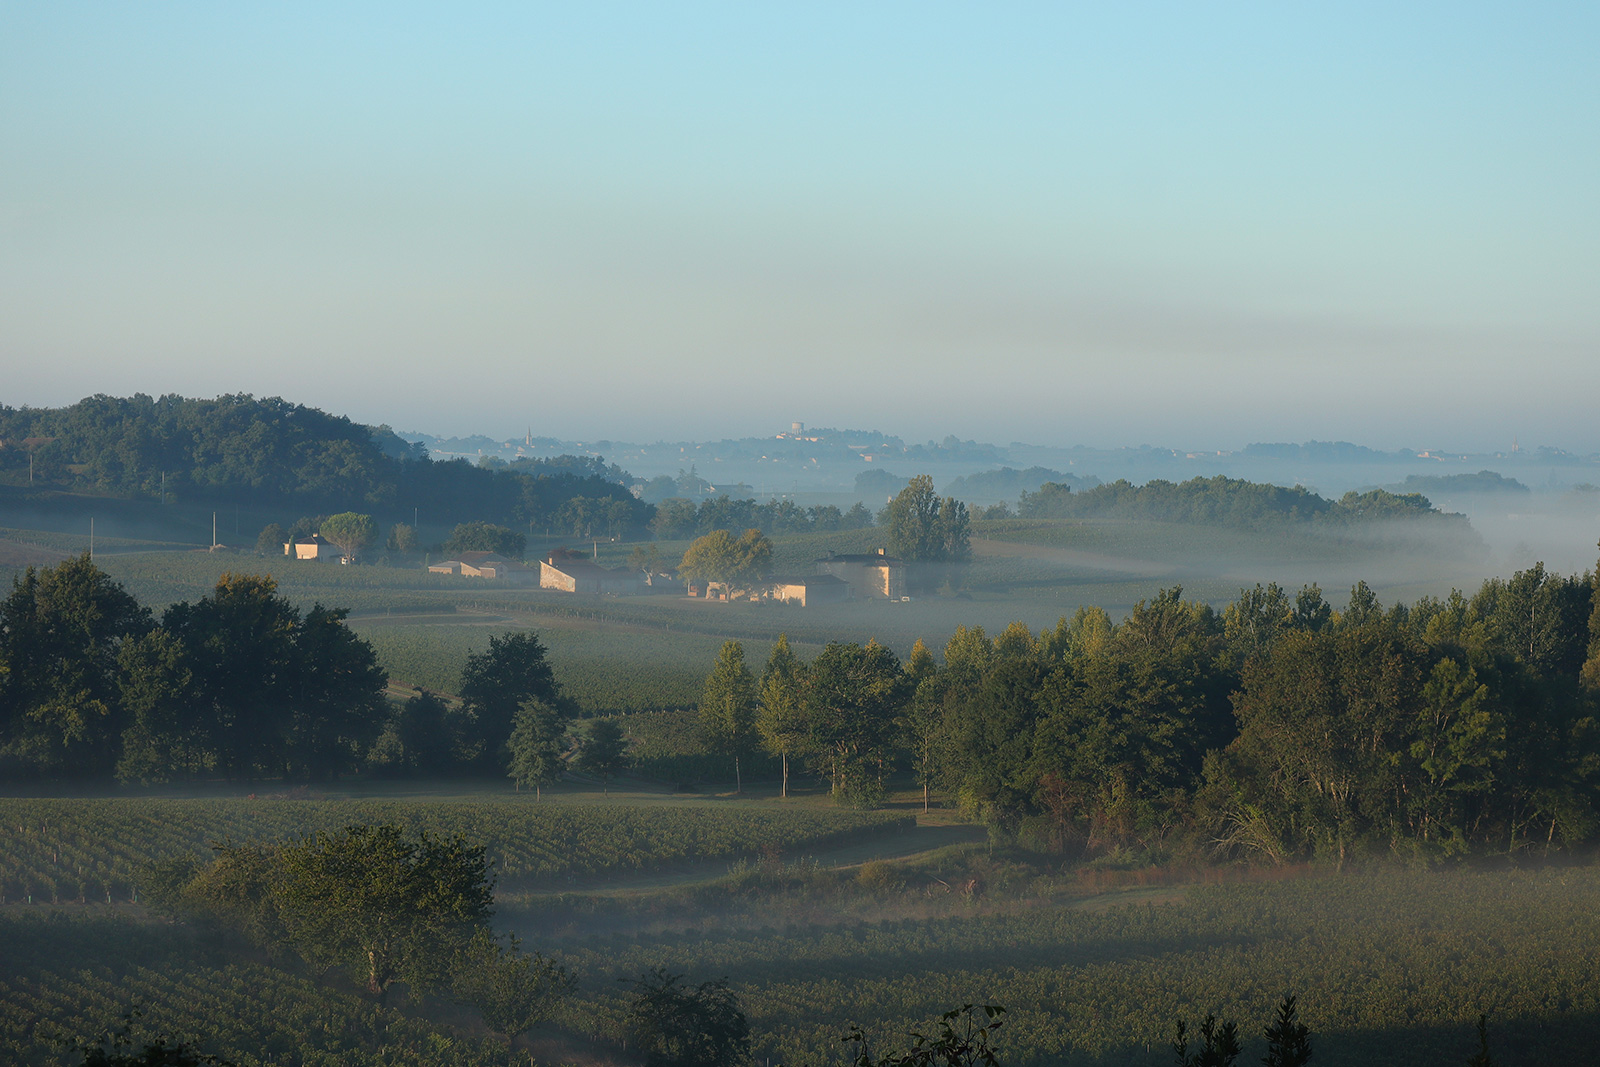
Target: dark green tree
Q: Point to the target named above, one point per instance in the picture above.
(1219, 1045)
(350, 531)
(384, 905)
(61, 633)
(852, 697)
(486, 537)
(163, 739)
(604, 751)
(728, 708)
(337, 686)
(271, 541)
(536, 746)
(780, 715)
(1288, 1040)
(678, 1025)
(494, 684)
(514, 990)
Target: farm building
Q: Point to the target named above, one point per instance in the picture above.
(870, 575)
(584, 576)
(314, 547)
(805, 590)
(488, 565)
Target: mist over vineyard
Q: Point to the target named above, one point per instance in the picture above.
(1109, 754)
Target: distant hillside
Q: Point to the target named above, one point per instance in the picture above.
(1453, 484)
(1008, 483)
(271, 453)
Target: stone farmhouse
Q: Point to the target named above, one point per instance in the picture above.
(806, 590)
(585, 576)
(869, 575)
(314, 547)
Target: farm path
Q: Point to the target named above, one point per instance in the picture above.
(917, 842)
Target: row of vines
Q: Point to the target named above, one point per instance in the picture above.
(1390, 968)
(95, 851)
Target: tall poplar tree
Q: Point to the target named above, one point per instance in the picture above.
(728, 708)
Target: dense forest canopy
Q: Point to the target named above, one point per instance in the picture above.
(270, 452)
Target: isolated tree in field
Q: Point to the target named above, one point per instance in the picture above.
(402, 539)
(604, 752)
(728, 708)
(273, 538)
(538, 739)
(780, 718)
(385, 906)
(494, 684)
(677, 1025)
(514, 990)
(350, 531)
(718, 557)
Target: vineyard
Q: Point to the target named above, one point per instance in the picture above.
(66, 979)
(68, 851)
(1391, 968)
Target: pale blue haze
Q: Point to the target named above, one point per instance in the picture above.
(1193, 225)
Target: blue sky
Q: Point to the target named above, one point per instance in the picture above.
(1196, 225)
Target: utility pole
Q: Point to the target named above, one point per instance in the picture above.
(213, 531)
(91, 537)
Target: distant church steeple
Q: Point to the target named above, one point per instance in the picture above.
(529, 439)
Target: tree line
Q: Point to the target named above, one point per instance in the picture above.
(1276, 728)
(1223, 501)
(238, 684)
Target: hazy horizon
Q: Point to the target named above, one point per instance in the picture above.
(1153, 224)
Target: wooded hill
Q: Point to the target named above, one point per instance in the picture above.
(269, 452)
